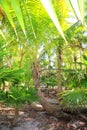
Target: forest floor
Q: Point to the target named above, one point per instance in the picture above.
(30, 119)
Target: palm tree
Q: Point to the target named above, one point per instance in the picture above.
(35, 29)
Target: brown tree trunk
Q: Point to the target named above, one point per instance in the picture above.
(16, 116)
(49, 107)
(52, 108)
(35, 74)
(59, 60)
(21, 58)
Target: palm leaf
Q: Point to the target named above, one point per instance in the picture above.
(51, 12)
(81, 7)
(16, 6)
(78, 9)
(1, 33)
(4, 4)
(29, 18)
(74, 99)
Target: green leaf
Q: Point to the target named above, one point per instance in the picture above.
(1, 33)
(4, 4)
(16, 6)
(74, 99)
(81, 7)
(51, 12)
(73, 8)
(78, 9)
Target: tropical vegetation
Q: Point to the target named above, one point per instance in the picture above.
(43, 43)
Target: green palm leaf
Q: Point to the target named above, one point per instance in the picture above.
(78, 9)
(1, 33)
(4, 4)
(75, 98)
(81, 7)
(16, 6)
(51, 12)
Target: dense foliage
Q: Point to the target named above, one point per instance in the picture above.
(51, 41)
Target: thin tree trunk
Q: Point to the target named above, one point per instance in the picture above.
(35, 74)
(16, 116)
(21, 59)
(59, 60)
(75, 60)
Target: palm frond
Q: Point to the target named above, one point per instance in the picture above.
(78, 9)
(50, 10)
(74, 99)
(16, 6)
(4, 4)
(2, 34)
(82, 9)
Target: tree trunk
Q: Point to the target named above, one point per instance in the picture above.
(35, 74)
(49, 107)
(21, 58)
(59, 60)
(55, 110)
(16, 116)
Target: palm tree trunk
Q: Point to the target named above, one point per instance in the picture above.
(35, 74)
(47, 106)
(59, 60)
(21, 58)
(51, 108)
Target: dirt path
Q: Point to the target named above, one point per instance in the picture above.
(30, 119)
